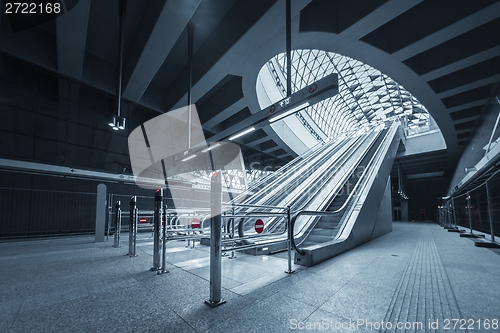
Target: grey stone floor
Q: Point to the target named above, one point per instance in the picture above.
(418, 274)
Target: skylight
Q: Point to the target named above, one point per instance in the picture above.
(366, 96)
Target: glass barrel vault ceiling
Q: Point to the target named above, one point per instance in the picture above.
(366, 96)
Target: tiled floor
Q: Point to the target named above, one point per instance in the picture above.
(418, 274)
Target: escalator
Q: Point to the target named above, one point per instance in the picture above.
(328, 226)
(354, 216)
(310, 191)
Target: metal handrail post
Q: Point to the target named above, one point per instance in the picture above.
(133, 203)
(289, 241)
(468, 211)
(454, 212)
(215, 241)
(490, 216)
(118, 223)
(232, 235)
(110, 213)
(164, 238)
(136, 219)
(157, 229)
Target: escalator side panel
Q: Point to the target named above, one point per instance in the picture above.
(366, 222)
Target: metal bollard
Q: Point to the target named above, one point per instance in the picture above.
(157, 229)
(215, 241)
(454, 213)
(289, 241)
(118, 223)
(132, 226)
(164, 252)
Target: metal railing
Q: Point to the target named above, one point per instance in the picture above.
(478, 209)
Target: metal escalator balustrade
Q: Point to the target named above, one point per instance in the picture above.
(328, 226)
(359, 222)
(293, 199)
(323, 178)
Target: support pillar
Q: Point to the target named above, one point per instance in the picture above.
(100, 213)
(157, 229)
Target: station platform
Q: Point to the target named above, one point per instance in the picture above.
(419, 278)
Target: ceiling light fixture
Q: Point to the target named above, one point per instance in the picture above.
(188, 158)
(210, 148)
(251, 129)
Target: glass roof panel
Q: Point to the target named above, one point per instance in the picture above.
(366, 96)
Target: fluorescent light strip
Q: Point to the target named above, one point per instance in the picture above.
(210, 148)
(289, 112)
(251, 129)
(188, 158)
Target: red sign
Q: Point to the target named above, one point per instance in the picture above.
(272, 108)
(142, 220)
(313, 88)
(196, 223)
(259, 226)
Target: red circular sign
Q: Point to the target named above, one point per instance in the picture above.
(142, 220)
(259, 226)
(313, 88)
(272, 108)
(196, 223)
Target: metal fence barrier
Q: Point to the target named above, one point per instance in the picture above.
(477, 210)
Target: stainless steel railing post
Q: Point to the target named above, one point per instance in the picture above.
(164, 239)
(289, 241)
(468, 211)
(136, 219)
(118, 224)
(157, 229)
(454, 212)
(133, 204)
(490, 216)
(215, 241)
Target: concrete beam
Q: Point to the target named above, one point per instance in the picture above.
(469, 23)
(71, 39)
(461, 64)
(160, 27)
(379, 17)
(478, 102)
(469, 86)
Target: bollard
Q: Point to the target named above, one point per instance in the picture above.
(215, 240)
(289, 241)
(164, 239)
(157, 229)
(454, 213)
(131, 225)
(118, 223)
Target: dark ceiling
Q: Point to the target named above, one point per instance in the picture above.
(446, 53)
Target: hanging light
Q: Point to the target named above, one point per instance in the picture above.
(117, 123)
(121, 123)
(112, 123)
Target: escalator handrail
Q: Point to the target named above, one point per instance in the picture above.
(309, 213)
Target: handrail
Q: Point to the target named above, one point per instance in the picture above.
(478, 186)
(310, 213)
(224, 204)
